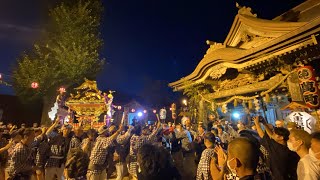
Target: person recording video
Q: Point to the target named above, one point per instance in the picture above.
(281, 161)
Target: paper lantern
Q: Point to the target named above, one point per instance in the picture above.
(62, 89)
(173, 109)
(309, 86)
(34, 85)
(302, 119)
(163, 114)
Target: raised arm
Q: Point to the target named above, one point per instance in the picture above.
(115, 135)
(154, 132)
(258, 126)
(13, 128)
(268, 130)
(5, 148)
(50, 129)
(121, 139)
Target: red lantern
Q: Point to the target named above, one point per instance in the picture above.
(173, 109)
(34, 85)
(309, 86)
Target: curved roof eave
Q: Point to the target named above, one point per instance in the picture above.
(215, 57)
(218, 56)
(260, 27)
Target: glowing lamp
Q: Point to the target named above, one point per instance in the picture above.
(236, 115)
(145, 111)
(184, 102)
(154, 111)
(133, 110)
(0, 76)
(139, 114)
(34, 85)
(119, 107)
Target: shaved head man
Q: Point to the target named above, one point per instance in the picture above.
(243, 157)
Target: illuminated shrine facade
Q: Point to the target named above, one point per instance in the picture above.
(270, 61)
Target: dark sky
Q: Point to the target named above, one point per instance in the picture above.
(145, 40)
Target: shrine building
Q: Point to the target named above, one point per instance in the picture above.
(262, 65)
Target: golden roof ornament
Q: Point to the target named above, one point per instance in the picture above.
(88, 84)
(88, 102)
(243, 10)
(214, 46)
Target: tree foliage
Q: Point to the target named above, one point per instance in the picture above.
(194, 92)
(74, 40)
(68, 52)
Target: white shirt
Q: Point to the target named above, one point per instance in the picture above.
(308, 168)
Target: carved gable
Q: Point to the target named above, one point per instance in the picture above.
(240, 80)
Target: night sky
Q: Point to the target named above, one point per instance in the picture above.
(147, 42)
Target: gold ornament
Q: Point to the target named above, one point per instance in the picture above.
(250, 105)
(87, 103)
(235, 103)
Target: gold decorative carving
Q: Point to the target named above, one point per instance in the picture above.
(243, 10)
(217, 71)
(255, 87)
(91, 85)
(240, 80)
(214, 46)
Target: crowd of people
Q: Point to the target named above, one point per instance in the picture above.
(163, 151)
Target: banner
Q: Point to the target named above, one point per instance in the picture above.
(309, 86)
(294, 87)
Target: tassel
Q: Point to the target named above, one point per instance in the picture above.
(235, 103)
(250, 105)
(213, 108)
(267, 98)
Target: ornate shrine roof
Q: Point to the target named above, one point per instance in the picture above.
(252, 40)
